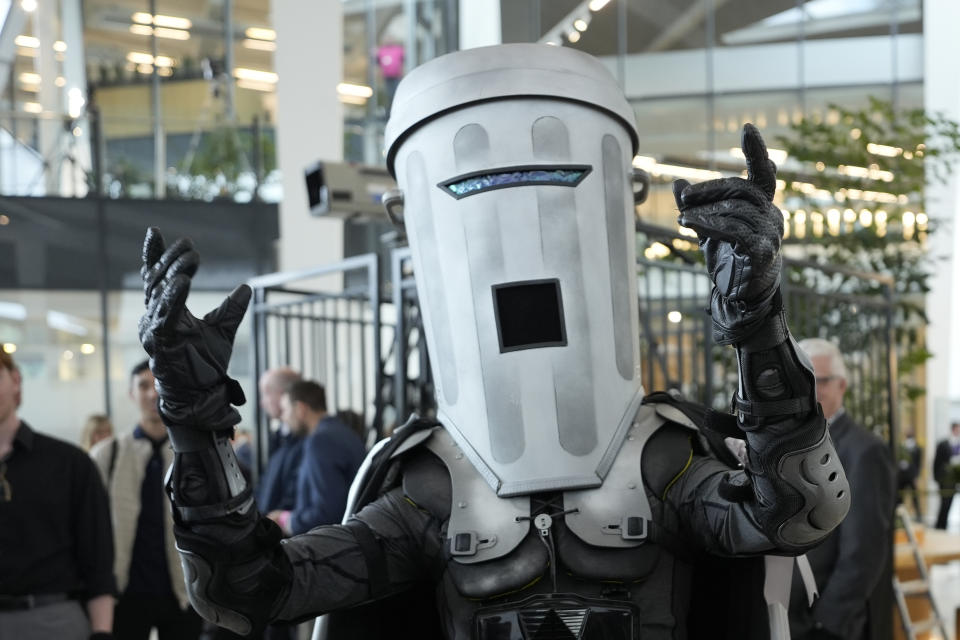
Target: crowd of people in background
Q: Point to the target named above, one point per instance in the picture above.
(106, 529)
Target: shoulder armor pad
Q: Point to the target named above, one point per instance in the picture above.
(482, 525)
(673, 414)
(415, 440)
(616, 514)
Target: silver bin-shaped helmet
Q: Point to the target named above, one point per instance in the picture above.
(515, 167)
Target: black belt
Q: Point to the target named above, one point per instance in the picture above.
(21, 603)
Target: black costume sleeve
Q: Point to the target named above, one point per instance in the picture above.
(387, 547)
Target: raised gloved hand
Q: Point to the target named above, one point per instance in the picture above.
(739, 229)
(188, 355)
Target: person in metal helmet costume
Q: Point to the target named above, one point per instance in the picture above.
(549, 501)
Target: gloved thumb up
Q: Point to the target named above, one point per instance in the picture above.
(228, 315)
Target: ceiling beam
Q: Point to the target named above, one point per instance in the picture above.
(683, 25)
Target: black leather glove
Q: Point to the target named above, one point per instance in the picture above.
(739, 229)
(188, 355)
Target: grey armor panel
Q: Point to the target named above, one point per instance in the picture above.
(515, 163)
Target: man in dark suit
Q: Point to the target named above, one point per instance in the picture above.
(945, 459)
(853, 566)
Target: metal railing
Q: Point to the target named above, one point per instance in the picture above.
(332, 338)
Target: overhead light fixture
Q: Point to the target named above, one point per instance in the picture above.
(160, 32)
(242, 73)
(260, 33)
(28, 5)
(655, 168)
(171, 34)
(778, 156)
(13, 310)
(75, 102)
(32, 107)
(256, 85)
(357, 90)
(873, 172)
(59, 46)
(9, 347)
(675, 317)
(656, 250)
(351, 99)
(67, 354)
(573, 36)
(173, 22)
(139, 57)
(260, 45)
(28, 77)
(580, 24)
(86, 348)
(596, 5)
(27, 41)
(66, 323)
(4, 221)
(883, 150)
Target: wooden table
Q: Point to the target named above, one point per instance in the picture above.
(937, 547)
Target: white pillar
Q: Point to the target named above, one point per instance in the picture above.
(309, 63)
(75, 95)
(479, 23)
(45, 24)
(941, 89)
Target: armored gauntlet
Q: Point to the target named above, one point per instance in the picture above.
(799, 490)
(234, 569)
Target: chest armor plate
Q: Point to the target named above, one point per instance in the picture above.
(484, 527)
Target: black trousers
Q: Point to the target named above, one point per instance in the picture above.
(946, 499)
(136, 614)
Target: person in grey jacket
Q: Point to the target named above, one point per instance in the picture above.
(551, 499)
(853, 566)
(147, 568)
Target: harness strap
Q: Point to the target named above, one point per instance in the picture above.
(379, 580)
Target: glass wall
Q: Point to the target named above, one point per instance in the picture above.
(176, 103)
(71, 296)
(382, 41)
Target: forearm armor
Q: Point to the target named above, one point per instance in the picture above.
(800, 492)
(236, 573)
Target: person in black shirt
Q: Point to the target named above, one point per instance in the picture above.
(149, 575)
(56, 543)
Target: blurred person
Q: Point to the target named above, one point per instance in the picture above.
(908, 470)
(97, 427)
(853, 565)
(56, 546)
(332, 453)
(277, 490)
(147, 567)
(355, 421)
(273, 384)
(946, 472)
